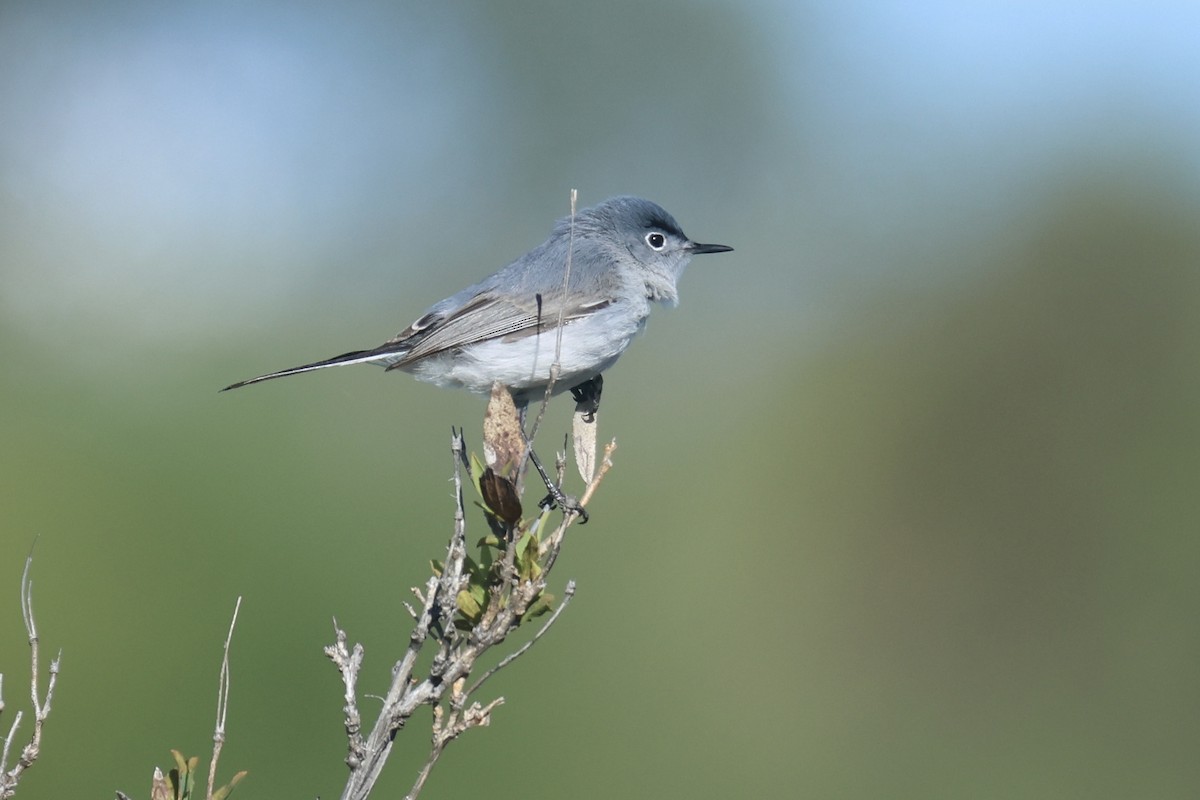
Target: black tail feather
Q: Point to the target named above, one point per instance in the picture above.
(355, 357)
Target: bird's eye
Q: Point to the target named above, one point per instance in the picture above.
(656, 240)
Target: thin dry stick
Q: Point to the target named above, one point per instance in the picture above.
(443, 734)
(605, 465)
(568, 593)
(222, 703)
(9, 739)
(41, 708)
(349, 663)
(553, 543)
(562, 310)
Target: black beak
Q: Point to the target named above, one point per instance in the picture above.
(696, 247)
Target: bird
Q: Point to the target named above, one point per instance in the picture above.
(577, 300)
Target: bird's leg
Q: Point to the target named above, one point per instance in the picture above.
(587, 395)
(556, 497)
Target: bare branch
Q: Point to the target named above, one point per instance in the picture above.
(8, 740)
(349, 663)
(605, 465)
(468, 607)
(222, 703)
(568, 593)
(41, 705)
(445, 732)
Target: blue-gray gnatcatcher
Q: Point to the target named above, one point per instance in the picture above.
(595, 277)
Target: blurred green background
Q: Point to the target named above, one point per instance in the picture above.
(906, 499)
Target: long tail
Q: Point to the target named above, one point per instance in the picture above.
(357, 357)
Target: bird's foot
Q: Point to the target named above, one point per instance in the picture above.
(568, 504)
(587, 397)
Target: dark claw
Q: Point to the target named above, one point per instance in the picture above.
(557, 498)
(587, 397)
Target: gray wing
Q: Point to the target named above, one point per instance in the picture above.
(485, 316)
(532, 301)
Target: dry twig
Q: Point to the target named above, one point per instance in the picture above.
(222, 707)
(41, 704)
(515, 592)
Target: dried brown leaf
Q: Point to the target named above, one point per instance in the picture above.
(583, 433)
(500, 495)
(503, 440)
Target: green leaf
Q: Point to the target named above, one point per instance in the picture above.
(224, 791)
(438, 567)
(183, 776)
(527, 557)
(476, 574)
(469, 605)
(544, 603)
(477, 470)
(485, 557)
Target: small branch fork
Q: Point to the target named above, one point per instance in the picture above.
(445, 688)
(41, 705)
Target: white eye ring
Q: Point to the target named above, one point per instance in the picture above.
(656, 240)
